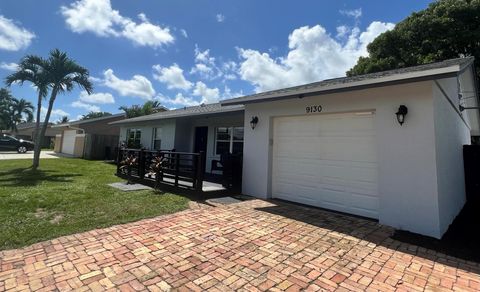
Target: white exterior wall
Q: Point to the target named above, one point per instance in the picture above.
(168, 133)
(406, 154)
(451, 133)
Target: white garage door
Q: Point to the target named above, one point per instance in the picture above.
(328, 161)
(68, 144)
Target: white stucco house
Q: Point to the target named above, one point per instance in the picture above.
(210, 128)
(339, 144)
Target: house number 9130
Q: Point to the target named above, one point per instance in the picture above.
(313, 109)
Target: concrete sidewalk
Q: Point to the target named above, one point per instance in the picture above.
(7, 155)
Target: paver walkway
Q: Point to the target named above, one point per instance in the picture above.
(253, 245)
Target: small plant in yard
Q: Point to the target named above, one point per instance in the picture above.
(156, 168)
(127, 166)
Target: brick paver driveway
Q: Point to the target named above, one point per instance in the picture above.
(254, 245)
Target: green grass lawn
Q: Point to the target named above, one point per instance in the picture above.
(67, 196)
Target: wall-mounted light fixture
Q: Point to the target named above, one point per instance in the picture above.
(254, 122)
(402, 112)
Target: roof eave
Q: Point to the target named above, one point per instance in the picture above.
(132, 121)
(410, 77)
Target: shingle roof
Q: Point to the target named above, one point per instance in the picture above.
(427, 71)
(79, 122)
(24, 126)
(213, 108)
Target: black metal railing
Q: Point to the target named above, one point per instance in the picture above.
(178, 169)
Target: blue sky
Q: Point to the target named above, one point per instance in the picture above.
(188, 52)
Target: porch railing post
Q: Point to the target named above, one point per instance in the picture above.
(141, 164)
(200, 171)
(177, 168)
(119, 159)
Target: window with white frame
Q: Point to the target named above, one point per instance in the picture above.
(134, 137)
(228, 139)
(157, 139)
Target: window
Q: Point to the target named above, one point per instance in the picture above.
(157, 138)
(6, 138)
(134, 137)
(229, 139)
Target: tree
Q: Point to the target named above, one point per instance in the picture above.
(5, 101)
(63, 120)
(19, 108)
(62, 75)
(93, 115)
(446, 29)
(13, 111)
(32, 69)
(57, 74)
(148, 108)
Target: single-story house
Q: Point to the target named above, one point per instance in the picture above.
(91, 139)
(26, 131)
(386, 145)
(207, 128)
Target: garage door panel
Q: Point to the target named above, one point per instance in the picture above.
(368, 204)
(327, 161)
(68, 143)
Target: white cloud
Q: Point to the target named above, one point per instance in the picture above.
(184, 33)
(354, 13)
(9, 66)
(98, 17)
(138, 86)
(229, 70)
(172, 76)
(220, 17)
(209, 95)
(314, 55)
(86, 106)
(179, 100)
(206, 66)
(342, 31)
(206, 94)
(96, 98)
(227, 93)
(12, 36)
(55, 114)
(146, 33)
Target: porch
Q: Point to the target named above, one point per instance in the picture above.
(171, 171)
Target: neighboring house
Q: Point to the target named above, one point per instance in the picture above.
(91, 139)
(337, 144)
(26, 131)
(205, 128)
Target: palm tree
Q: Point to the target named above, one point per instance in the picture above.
(62, 74)
(32, 69)
(18, 109)
(5, 101)
(63, 120)
(94, 115)
(132, 111)
(148, 108)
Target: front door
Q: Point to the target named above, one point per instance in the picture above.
(201, 136)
